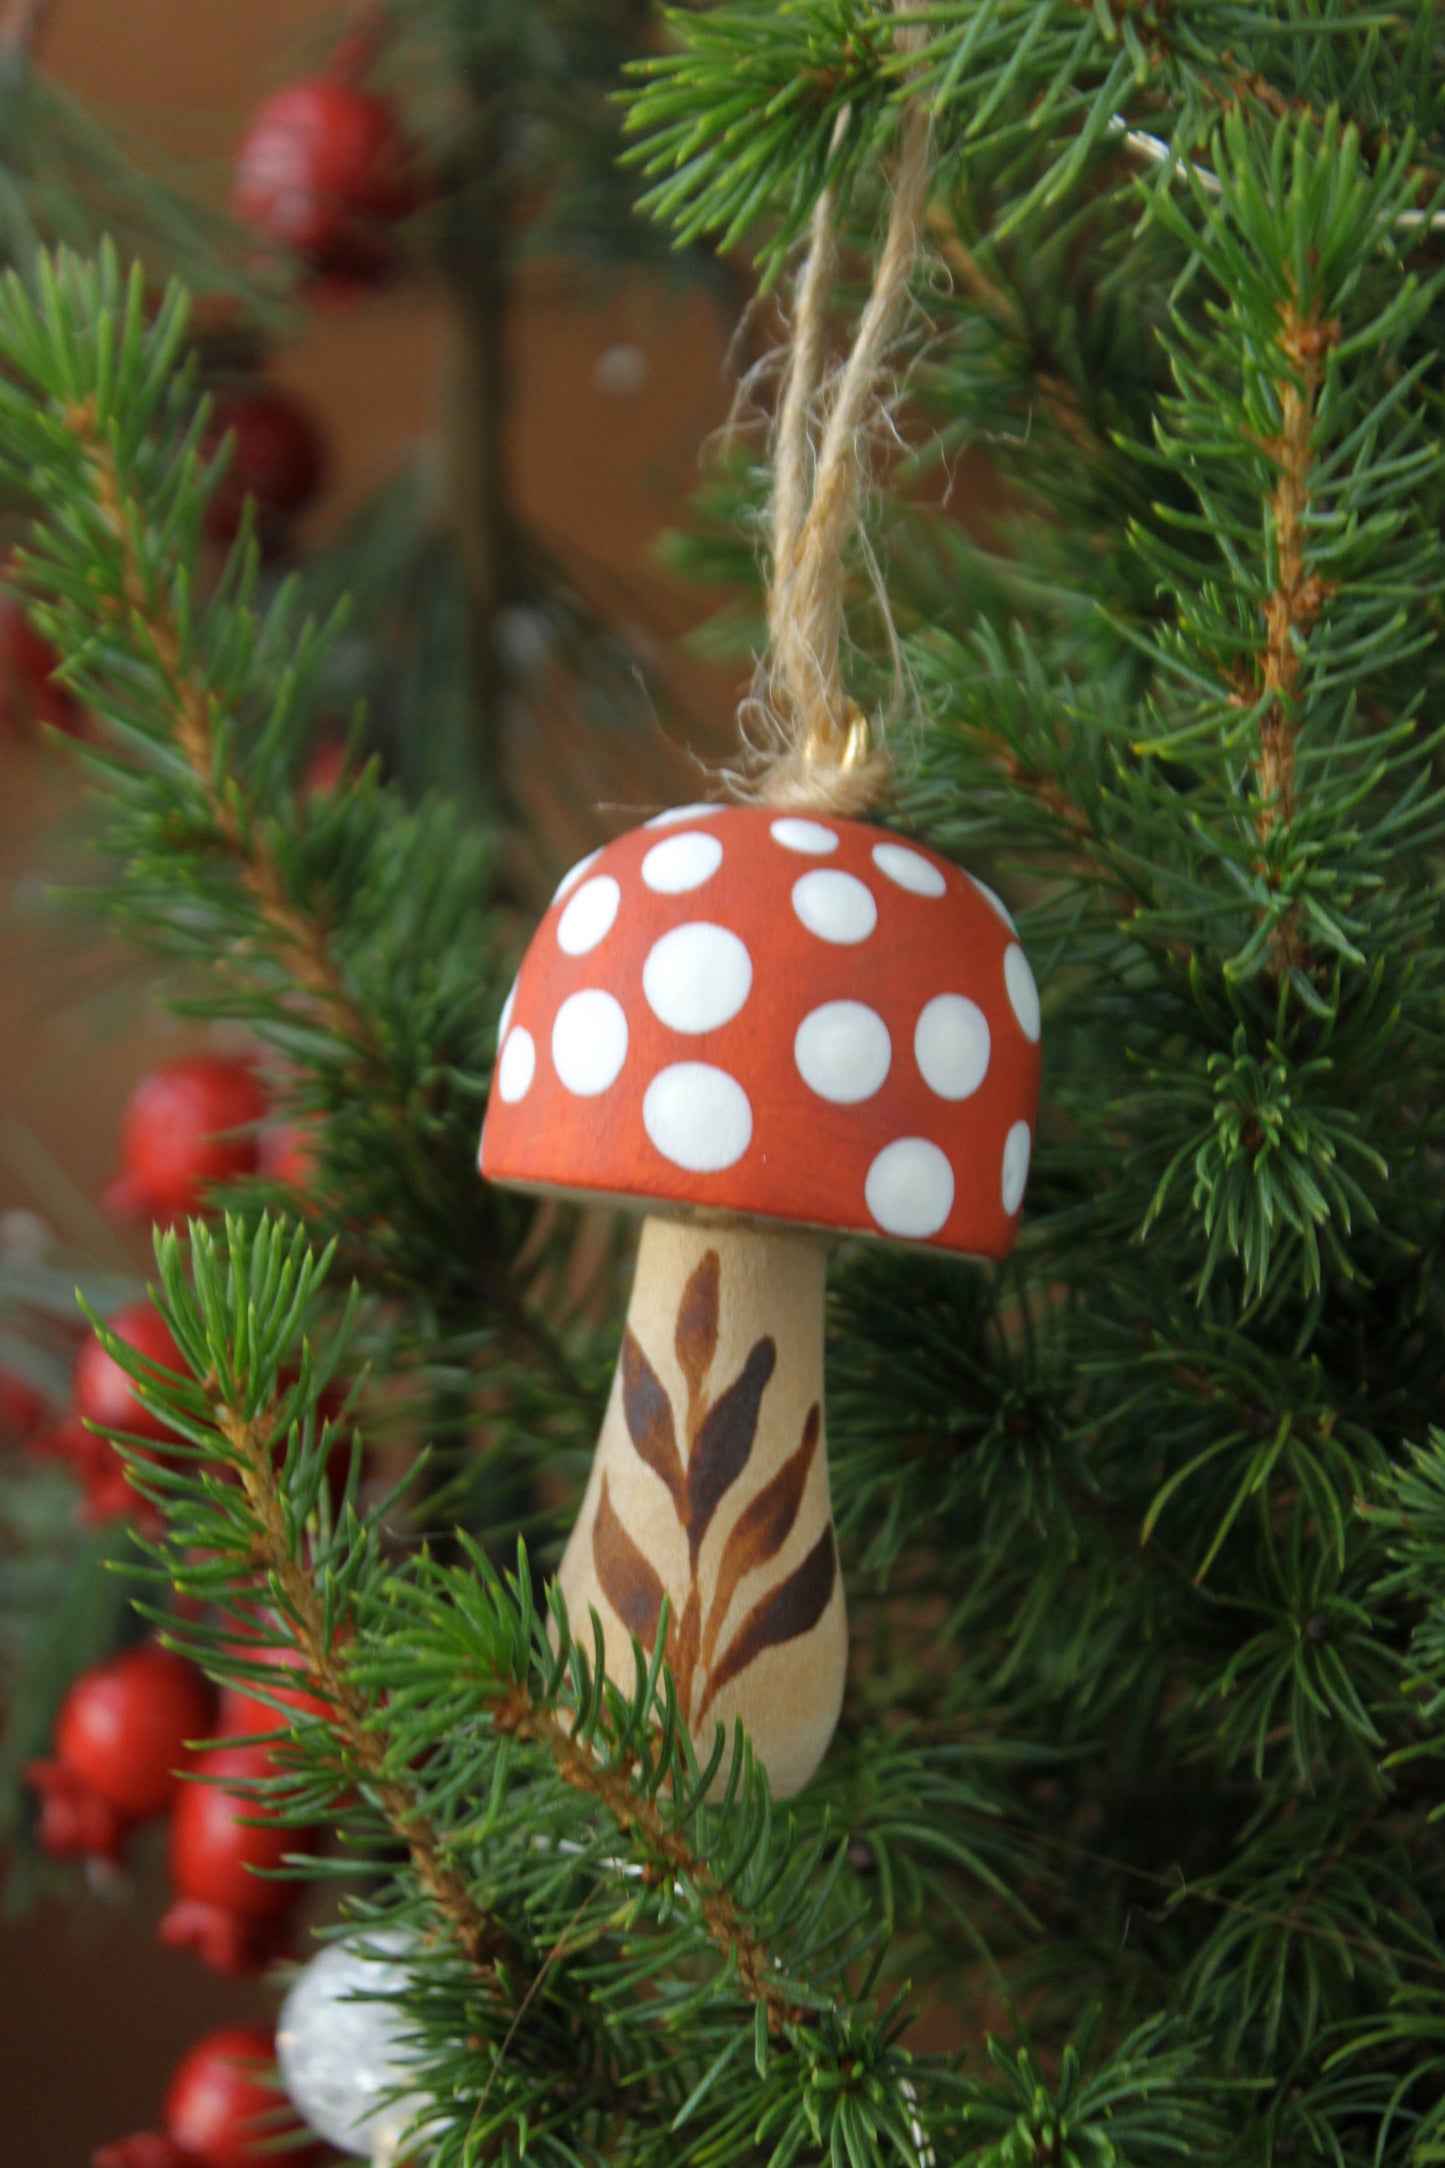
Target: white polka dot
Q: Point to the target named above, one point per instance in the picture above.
(589, 1042)
(995, 903)
(910, 1188)
(504, 1022)
(569, 880)
(681, 813)
(697, 977)
(681, 863)
(809, 836)
(951, 1046)
(698, 1117)
(835, 906)
(517, 1067)
(843, 1051)
(588, 917)
(910, 869)
(1017, 1147)
(1022, 992)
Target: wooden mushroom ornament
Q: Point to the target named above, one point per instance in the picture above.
(767, 1032)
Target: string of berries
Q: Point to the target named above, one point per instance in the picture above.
(279, 1698)
(188, 1125)
(223, 2109)
(278, 463)
(325, 172)
(103, 1396)
(224, 1855)
(124, 1735)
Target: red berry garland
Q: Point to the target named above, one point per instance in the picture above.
(323, 171)
(121, 1741)
(188, 1125)
(289, 1694)
(222, 1849)
(278, 461)
(104, 1395)
(223, 2109)
(147, 2149)
(224, 2103)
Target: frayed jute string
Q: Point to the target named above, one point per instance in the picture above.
(809, 744)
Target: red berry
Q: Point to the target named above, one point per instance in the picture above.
(75, 1822)
(22, 1409)
(120, 1743)
(325, 766)
(147, 2149)
(278, 460)
(322, 171)
(224, 1910)
(224, 2107)
(104, 1395)
(28, 692)
(243, 1712)
(103, 1392)
(188, 1125)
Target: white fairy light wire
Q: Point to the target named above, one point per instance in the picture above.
(1159, 153)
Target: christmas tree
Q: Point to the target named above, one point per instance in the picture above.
(1124, 1848)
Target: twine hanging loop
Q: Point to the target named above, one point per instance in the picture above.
(812, 744)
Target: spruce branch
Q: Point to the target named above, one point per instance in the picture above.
(144, 609)
(239, 1397)
(503, 1764)
(637, 1814)
(355, 936)
(321, 1642)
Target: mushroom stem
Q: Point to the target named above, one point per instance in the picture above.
(710, 1488)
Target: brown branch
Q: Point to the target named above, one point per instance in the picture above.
(301, 938)
(518, 1717)
(363, 1749)
(1298, 593)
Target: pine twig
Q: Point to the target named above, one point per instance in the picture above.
(484, 1943)
(301, 938)
(519, 1717)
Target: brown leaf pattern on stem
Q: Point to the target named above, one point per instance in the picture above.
(721, 1433)
(762, 1528)
(792, 1609)
(696, 1336)
(649, 1419)
(723, 1443)
(628, 1582)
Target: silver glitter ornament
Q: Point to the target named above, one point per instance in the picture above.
(342, 2048)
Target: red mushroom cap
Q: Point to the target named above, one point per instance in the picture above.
(775, 1017)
